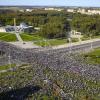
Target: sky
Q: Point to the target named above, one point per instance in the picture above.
(93, 3)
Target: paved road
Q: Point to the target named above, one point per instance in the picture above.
(76, 43)
(75, 48)
(85, 46)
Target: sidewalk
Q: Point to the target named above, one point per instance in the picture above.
(18, 37)
(25, 45)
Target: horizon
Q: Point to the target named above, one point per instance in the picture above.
(73, 3)
(47, 6)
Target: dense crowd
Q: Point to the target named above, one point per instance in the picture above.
(68, 70)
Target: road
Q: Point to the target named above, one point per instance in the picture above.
(72, 48)
(76, 48)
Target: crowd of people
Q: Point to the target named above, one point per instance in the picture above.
(68, 70)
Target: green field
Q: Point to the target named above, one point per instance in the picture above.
(30, 37)
(53, 42)
(93, 57)
(38, 40)
(8, 37)
(42, 41)
(88, 38)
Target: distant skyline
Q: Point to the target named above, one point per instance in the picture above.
(86, 3)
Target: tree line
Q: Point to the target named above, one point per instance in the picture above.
(86, 24)
(54, 24)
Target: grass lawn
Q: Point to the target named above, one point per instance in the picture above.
(93, 56)
(42, 41)
(85, 38)
(96, 36)
(38, 40)
(8, 37)
(29, 37)
(88, 38)
(6, 67)
(54, 42)
(51, 42)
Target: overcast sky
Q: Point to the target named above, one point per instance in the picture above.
(95, 3)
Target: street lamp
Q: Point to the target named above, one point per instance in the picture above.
(91, 44)
(70, 44)
(9, 58)
(68, 34)
(69, 41)
(15, 24)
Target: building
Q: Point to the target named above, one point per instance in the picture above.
(7, 29)
(82, 11)
(23, 27)
(29, 10)
(71, 10)
(91, 12)
(2, 29)
(37, 28)
(22, 10)
(55, 9)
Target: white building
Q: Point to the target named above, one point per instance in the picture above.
(93, 12)
(29, 10)
(2, 29)
(88, 12)
(49, 8)
(7, 29)
(21, 28)
(71, 10)
(37, 28)
(21, 10)
(56, 9)
(75, 34)
(82, 11)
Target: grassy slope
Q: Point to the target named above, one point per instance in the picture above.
(8, 37)
(41, 41)
(28, 37)
(93, 56)
(51, 42)
(54, 42)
